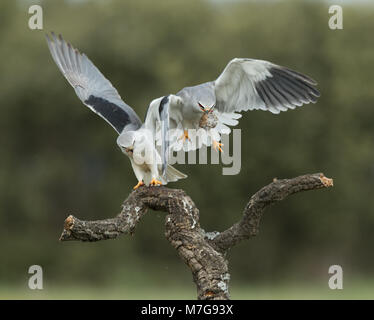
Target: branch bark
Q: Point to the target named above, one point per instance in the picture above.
(203, 252)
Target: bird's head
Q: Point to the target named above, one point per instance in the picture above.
(135, 144)
(205, 109)
(126, 142)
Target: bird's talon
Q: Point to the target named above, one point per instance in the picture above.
(140, 183)
(184, 136)
(155, 182)
(217, 145)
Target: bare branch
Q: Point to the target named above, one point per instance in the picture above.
(209, 268)
(132, 211)
(204, 253)
(276, 191)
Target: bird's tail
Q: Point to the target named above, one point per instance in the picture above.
(173, 174)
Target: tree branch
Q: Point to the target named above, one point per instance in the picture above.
(203, 252)
(274, 192)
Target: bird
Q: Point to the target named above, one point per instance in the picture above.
(245, 84)
(187, 120)
(135, 139)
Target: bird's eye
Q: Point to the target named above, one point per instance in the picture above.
(201, 106)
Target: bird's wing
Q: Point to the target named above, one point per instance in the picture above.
(176, 113)
(248, 84)
(164, 119)
(157, 122)
(92, 88)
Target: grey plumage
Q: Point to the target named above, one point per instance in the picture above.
(135, 139)
(245, 84)
(248, 84)
(214, 106)
(164, 119)
(92, 88)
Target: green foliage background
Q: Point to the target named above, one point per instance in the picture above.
(58, 158)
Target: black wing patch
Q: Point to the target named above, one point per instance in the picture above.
(286, 89)
(162, 104)
(116, 116)
(164, 117)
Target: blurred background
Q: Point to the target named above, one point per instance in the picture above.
(58, 158)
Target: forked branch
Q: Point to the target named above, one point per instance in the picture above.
(204, 253)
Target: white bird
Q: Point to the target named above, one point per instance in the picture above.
(245, 84)
(135, 139)
(204, 111)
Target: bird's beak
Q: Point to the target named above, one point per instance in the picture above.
(201, 107)
(129, 150)
(206, 110)
(211, 108)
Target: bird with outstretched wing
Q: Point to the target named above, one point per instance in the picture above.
(136, 139)
(206, 111)
(245, 84)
